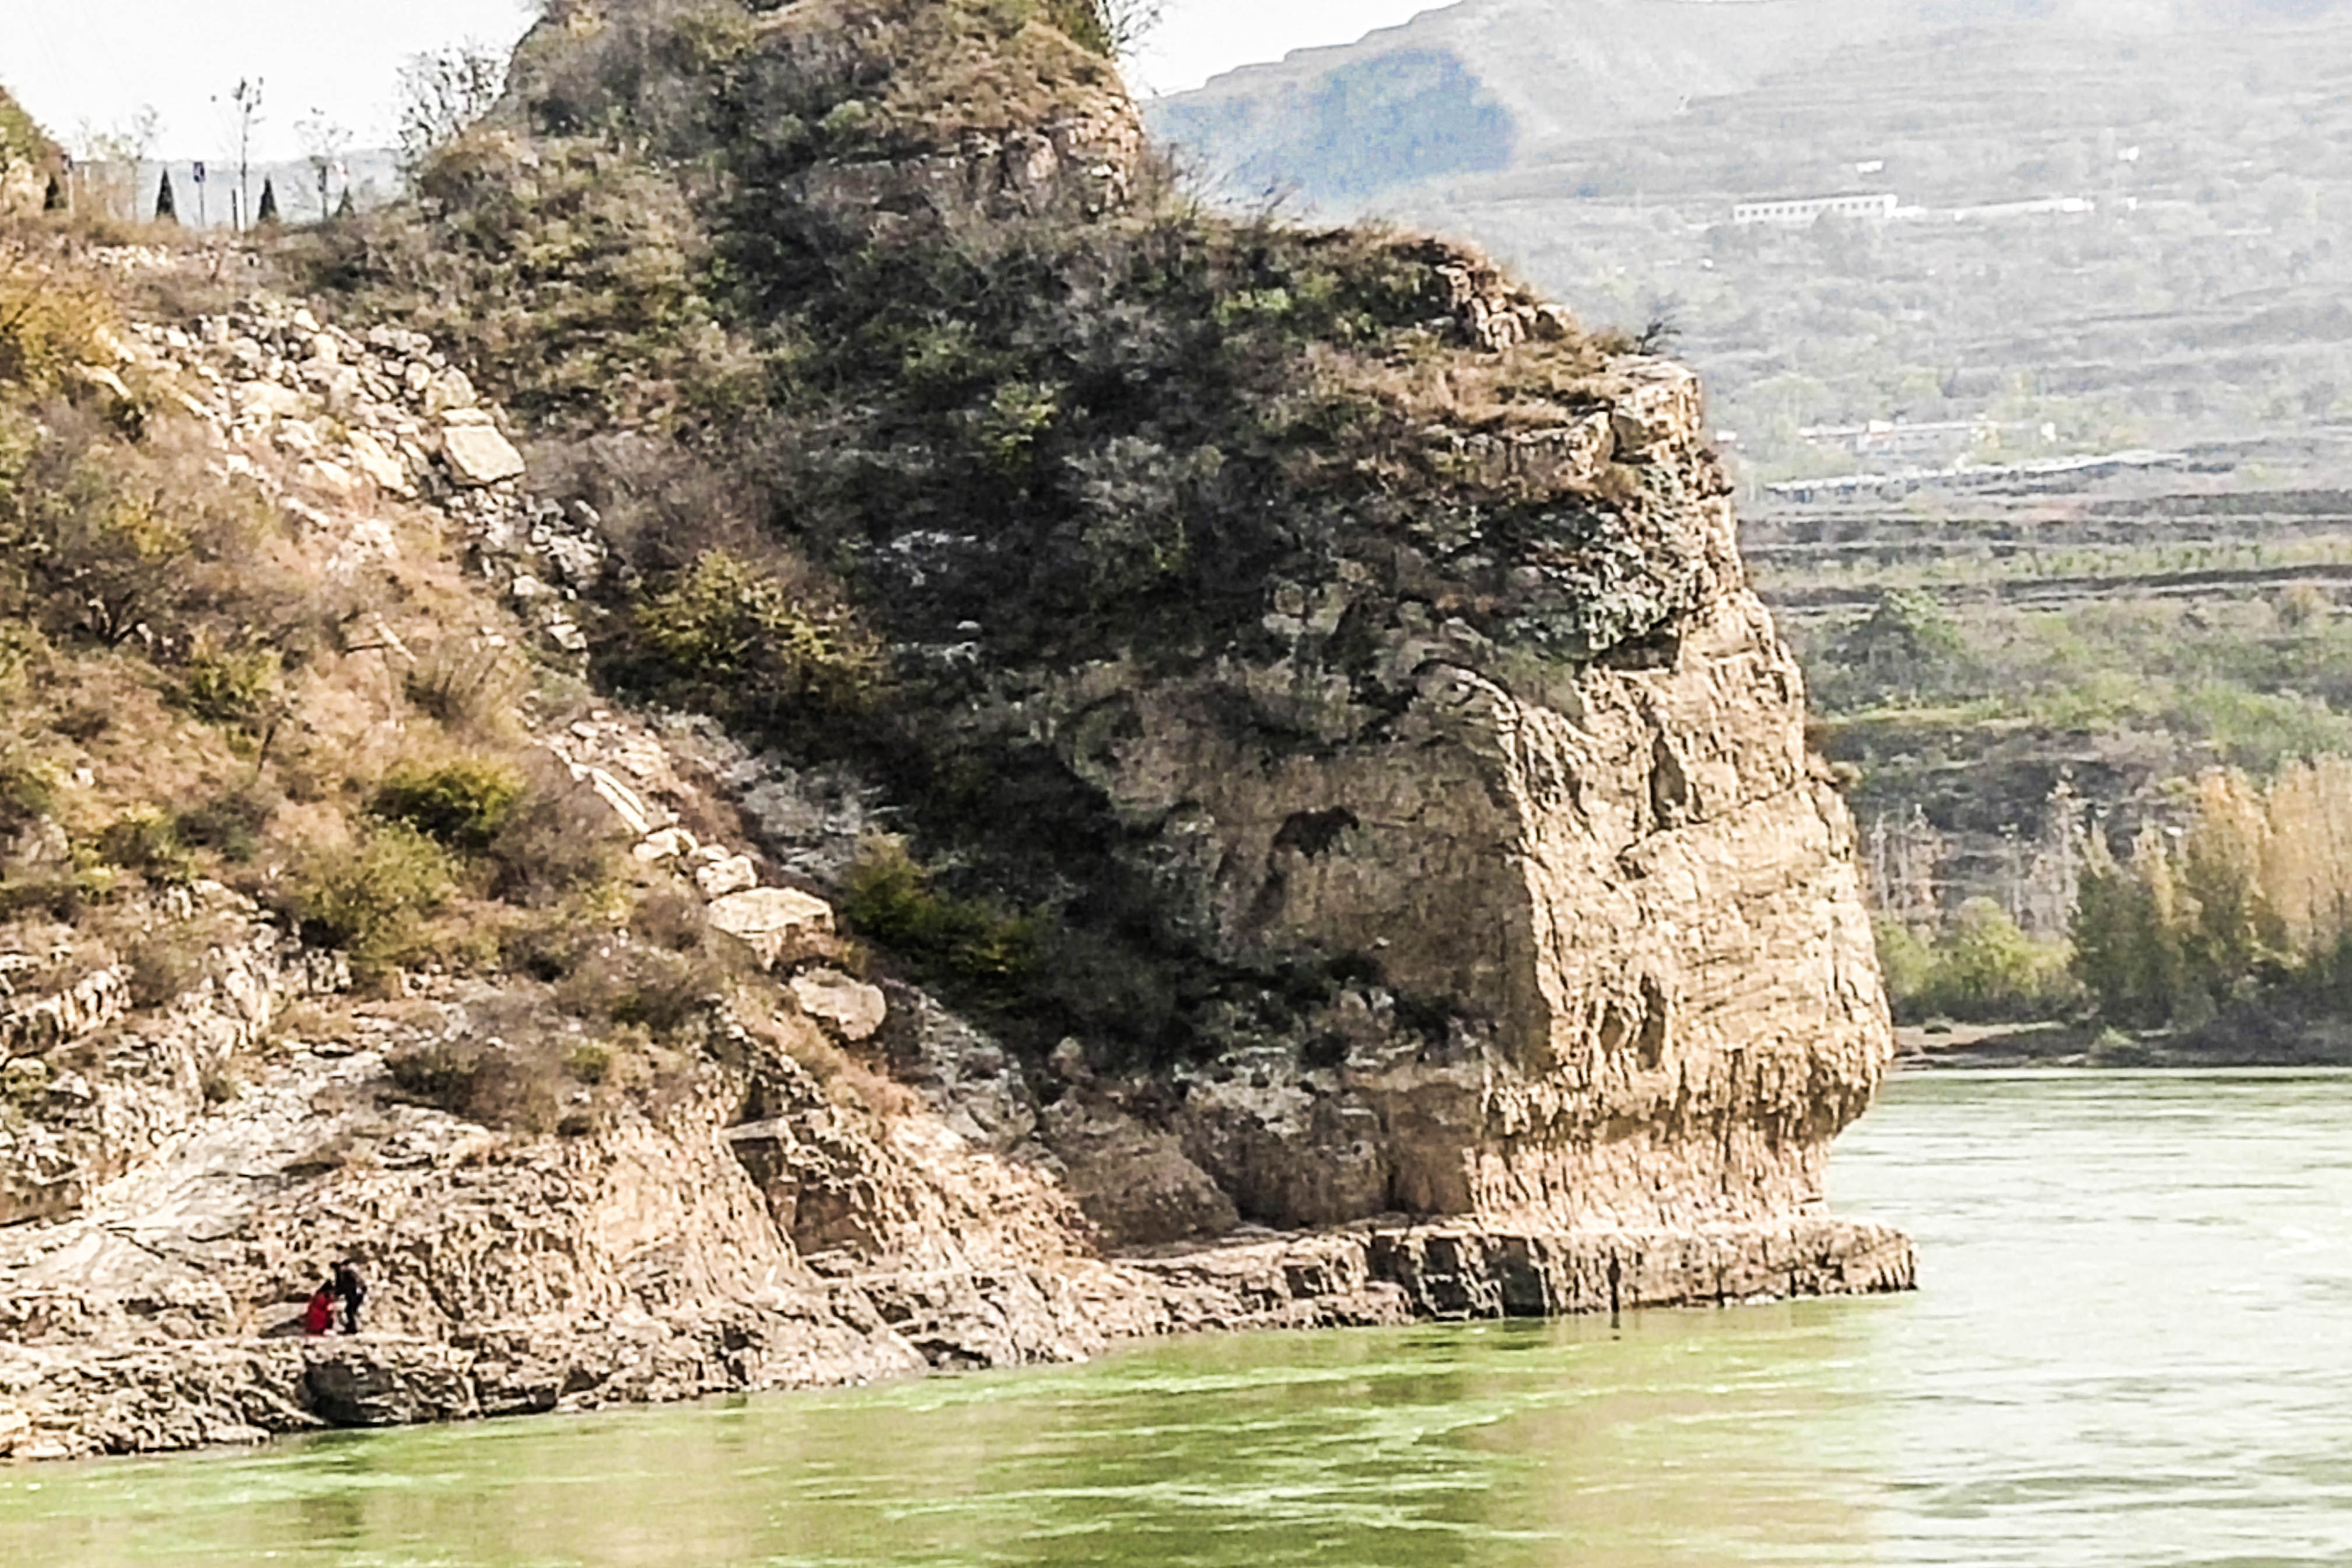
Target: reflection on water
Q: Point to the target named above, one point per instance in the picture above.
(1680, 1439)
(2131, 1349)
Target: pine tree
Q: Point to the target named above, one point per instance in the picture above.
(269, 211)
(54, 199)
(167, 210)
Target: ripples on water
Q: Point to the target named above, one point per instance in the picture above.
(2132, 1346)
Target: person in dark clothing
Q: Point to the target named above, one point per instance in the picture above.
(353, 1291)
(319, 1316)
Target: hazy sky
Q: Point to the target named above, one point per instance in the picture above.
(95, 62)
(1198, 38)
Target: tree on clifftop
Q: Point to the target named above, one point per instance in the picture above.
(1113, 27)
(167, 210)
(443, 94)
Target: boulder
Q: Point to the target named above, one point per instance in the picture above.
(668, 843)
(368, 1383)
(269, 397)
(730, 875)
(639, 818)
(849, 1009)
(105, 380)
(776, 922)
(1134, 1180)
(448, 390)
(374, 457)
(479, 456)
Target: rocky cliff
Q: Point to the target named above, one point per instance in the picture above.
(1546, 814)
(1247, 785)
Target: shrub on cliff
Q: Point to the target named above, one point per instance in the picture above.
(557, 839)
(578, 277)
(50, 320)
(736, 638)
(23, 146)
(496, 1083)
(890, 899)
(104, 531)
(229, 686)
(369, 898)
(461, 803)
(146, 841)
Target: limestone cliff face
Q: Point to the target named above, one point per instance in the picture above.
(1350, 653)
(1623, 972)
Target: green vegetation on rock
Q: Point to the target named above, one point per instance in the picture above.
(939, 385)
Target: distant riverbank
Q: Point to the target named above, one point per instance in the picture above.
(2244, 1041)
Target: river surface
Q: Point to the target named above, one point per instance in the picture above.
(2132, 1346)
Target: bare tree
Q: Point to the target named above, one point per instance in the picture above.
(443, 94)
(1126, 23)
(323, 145)
(1113, 27)
(244, 111)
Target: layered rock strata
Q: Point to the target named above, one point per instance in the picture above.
(700, 1253)
(1543, 805)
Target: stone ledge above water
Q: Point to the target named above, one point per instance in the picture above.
(1459, 1273)
(153, 1396)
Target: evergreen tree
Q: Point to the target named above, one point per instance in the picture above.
(268, 212)
(54, 199)
(167, 210)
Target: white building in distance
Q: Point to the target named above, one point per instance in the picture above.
(1795, 212)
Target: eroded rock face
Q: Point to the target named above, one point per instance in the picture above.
(1550, 799)
(1499, 938)
(1611, 995)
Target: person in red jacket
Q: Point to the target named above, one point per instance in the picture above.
(320, 1315)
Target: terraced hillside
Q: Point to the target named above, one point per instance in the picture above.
(2005, 673)
(2006, 661)
(2195, 293)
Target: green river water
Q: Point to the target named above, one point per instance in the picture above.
(2132, 1346)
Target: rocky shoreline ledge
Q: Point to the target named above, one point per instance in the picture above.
(157, 1394)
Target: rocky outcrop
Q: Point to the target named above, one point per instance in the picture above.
(334, 427)
(1543, 804)
(698, 1254)
(1456, 923)
(770, 1229)
(91, 1090)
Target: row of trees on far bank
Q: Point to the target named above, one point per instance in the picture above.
(2243, 898)
(2248, 900)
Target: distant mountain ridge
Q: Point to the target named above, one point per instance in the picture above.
(1485, 85)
